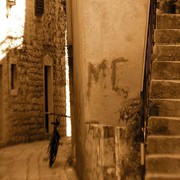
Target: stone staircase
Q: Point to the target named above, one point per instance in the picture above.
(163, 140)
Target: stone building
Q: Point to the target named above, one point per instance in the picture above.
(32, 68)
(124, 82)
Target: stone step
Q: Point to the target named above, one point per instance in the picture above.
(167, 164)
(163, 144)
(168, 21)
(162, 176)
(163, 126)
(165, 89)
(167, 36)
(167, 6)
(166, 52)
(169, 70)
(165, 107)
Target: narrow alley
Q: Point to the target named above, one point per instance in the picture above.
(102, 74)
(30, 162)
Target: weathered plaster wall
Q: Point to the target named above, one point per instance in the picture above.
(108, 45)
(113, 41)
(30, 41)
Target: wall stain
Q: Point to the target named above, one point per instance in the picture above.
(94, 72)
(113, 76)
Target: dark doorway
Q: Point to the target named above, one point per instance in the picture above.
(48, 95)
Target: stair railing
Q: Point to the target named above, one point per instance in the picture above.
(147, 77)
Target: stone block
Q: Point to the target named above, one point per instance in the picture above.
(168, 164)
(166, 6)
(167, 36)
(163, 144)
(165, 108)
(163, 126)
(166, 70)
(168, 21)
(108, 152)
(162, 176)
(166, 52)
(164, 89)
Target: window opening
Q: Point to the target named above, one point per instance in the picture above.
(48, 97)
(39, 7)
(13, 76)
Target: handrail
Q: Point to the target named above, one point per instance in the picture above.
(147, 76)
(149, 52)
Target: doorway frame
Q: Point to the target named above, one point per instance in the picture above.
(48, 62)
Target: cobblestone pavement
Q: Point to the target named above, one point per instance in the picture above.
(30, 162)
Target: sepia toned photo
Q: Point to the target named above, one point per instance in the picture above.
(89, 89)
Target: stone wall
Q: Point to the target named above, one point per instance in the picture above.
(109, 154)
(26, 42)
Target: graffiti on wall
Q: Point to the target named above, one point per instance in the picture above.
(114, 71)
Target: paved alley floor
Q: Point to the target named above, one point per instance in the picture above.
(30, 162)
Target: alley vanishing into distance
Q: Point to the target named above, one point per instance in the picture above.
(29, 161)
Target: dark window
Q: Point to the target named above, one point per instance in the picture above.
(39, 7)
(13, 76)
